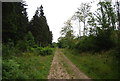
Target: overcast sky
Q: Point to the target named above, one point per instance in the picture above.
(56, 12)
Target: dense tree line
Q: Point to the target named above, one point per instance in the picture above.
(102, 29)
(21, 38)
(14, 21)
(15, 24)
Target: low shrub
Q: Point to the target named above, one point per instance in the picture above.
(26, 66)
(11, 70)
(8, 51)
(42, 51)
(87, 44)
(22, 45)
(45, 51)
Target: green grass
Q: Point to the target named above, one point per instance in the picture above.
(37, 67)
(27, 66)
(30, 64)
(96, 66)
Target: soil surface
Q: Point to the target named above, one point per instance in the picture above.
(63, 68)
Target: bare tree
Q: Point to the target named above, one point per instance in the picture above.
(82, 15)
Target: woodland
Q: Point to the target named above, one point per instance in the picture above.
(28, 50)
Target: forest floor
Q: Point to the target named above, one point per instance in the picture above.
(63, 68)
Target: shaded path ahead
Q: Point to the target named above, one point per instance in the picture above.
(63, 68)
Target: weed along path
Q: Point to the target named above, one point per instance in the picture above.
(63, 68)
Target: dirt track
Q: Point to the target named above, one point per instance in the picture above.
(63, 68)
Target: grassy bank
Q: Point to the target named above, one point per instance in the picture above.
(97, 66)
(26, 65)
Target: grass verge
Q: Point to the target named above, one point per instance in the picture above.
(97, 66)
(27, 66)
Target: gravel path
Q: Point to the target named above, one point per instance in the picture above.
(57, 71)
(63, 68)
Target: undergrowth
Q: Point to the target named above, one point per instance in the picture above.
(31, 64)
(102, 65)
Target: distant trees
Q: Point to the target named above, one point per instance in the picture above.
(103, 32)
(66, 39)
(40, 29)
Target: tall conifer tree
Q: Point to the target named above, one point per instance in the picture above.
(40, 28)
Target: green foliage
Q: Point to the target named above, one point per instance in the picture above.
(11, 70)
(87, 44)
(22, 45)
(12, 14)
(67, 38)
(101, 31)
(116, 40)
(67, 28)
(27, 43)
(20, 60)
(8, 51)
(54, 45)
(102, 65)
(106, 15)
(48, 51)
(26, 66)
(95, 43)
(16, 12)
(30, 39)
(43, 51)
(40, 29)
(103, 40)
(62, 42)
